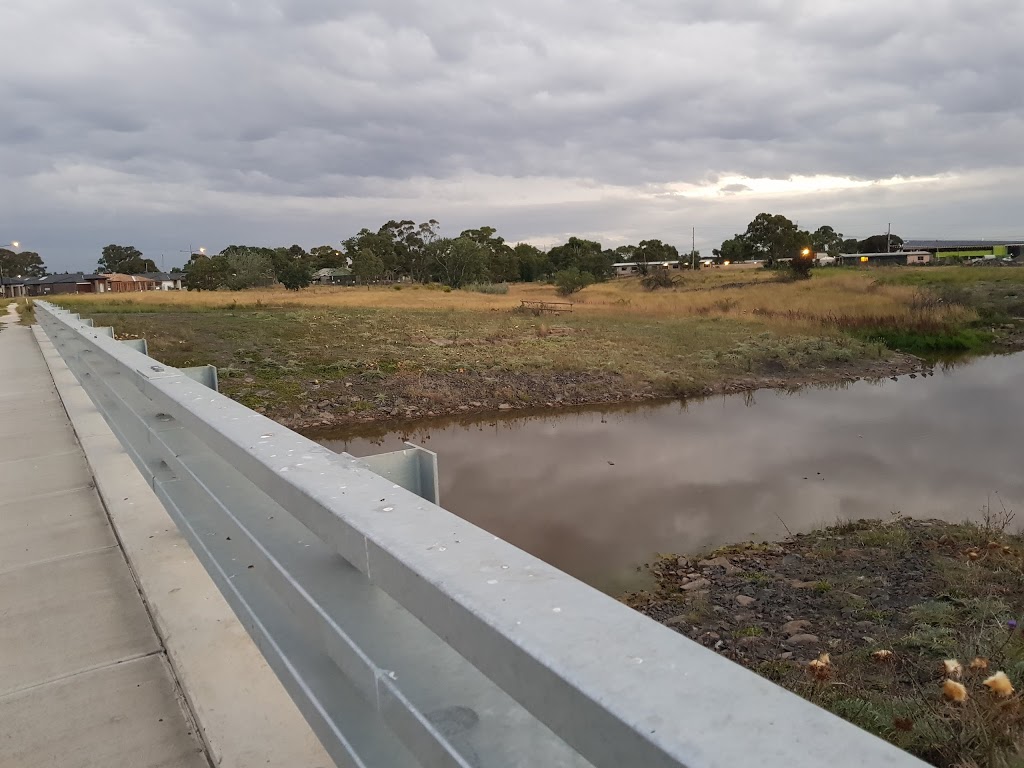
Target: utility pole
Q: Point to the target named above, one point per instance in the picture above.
(693, 248)
(888, 238)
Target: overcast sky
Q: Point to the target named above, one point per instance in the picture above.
(210, 122)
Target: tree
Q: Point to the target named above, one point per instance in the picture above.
(880, 244)
(125, 259)
(654, 252)
(367, 266)
(21, 264)
(296, 275)
(775, 237)
(204, 273)
(533, 262)
(571, 280)
(326, 257)
(502, 262)
(733, 250)
(826, 240)
(585, 255)
(850, 245)
(246, 270)
(380, 244)
(458, 261)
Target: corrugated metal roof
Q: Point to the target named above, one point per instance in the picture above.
(959, 243)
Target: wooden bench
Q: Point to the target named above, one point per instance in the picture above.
(542, 307)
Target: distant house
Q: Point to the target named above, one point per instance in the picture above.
(919, 257)
(628, 268)
(53, 285)
(129, 283)
(96, 284)
(334, 276)
(12, 287)
(165, 281)
(880, 259)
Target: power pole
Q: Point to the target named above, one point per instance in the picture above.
(888, 238)
(693, 247)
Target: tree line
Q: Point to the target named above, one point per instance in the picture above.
(405, 250)
(771, 237)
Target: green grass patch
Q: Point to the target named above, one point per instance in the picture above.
(926, 344)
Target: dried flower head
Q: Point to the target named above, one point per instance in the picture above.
(821, 667)
(978, 665)
(1000, 685)
(882, 655)
(952, 668)
(954, 691)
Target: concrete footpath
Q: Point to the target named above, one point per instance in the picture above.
(219, 692)
(84, 680)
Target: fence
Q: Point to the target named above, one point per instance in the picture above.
(427, 642)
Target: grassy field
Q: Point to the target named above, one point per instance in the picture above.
(897, 626)
(329, 353)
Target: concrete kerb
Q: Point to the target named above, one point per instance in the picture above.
(245, 716)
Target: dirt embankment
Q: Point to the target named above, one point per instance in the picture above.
(334, 404)
(861, 618)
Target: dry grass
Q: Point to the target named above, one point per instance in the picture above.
(747, 294)
(717, 329)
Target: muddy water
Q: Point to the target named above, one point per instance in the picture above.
(598, 492)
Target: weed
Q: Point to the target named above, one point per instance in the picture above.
(893, 538)
(822, 586)
(494, 289)
(761, 579)
(751, 631)
(933, 613)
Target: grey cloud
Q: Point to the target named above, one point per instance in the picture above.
(314, 99)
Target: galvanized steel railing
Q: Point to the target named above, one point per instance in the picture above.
(428, 642)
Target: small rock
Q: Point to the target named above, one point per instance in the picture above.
(744, 601)
(795, 627)
(476, 404)
(719, 644)
(746, 642)
(865, 625)
(720, 562)
(504, 407)
(719, 610)
(786, 655)
(712, 636)
(696, 584)
(682, 562)
(803, 640)
(797, 584)
(792, 560)
(675, 621)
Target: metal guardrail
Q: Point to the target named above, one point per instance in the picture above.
(428, 642)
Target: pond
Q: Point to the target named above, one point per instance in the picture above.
(597, 492)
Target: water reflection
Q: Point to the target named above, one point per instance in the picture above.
(597, 491)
